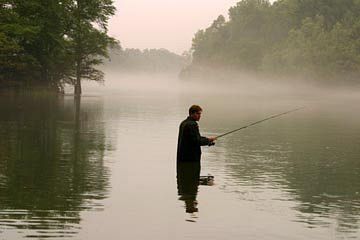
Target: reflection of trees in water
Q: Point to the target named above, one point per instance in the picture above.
(322, 174)
(326, 182)
(51, 163)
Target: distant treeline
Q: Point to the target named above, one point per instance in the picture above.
(50, 43)
(317, 39)
(148, 60)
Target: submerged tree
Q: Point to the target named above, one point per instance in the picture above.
(88, 38)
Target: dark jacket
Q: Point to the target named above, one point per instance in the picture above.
(189, 142)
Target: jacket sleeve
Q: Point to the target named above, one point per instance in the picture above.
(196, 137)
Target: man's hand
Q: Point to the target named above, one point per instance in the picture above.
(212, 141)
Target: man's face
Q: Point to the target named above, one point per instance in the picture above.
(196, 116)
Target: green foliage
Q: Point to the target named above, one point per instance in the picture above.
(313, 38)
(87, 20)
(53, 42)
(15, 35)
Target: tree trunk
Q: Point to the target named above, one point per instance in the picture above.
(77, 90)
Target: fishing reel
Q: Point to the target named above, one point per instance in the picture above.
(211, 144)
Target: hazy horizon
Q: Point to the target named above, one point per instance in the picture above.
(163, 24)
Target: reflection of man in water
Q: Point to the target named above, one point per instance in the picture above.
(188, 158)
(188, 181)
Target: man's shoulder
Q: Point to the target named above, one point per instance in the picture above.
(189, 122)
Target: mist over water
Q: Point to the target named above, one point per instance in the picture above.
(303, 165)
(99, 161)
(258, 89)
(296, 176)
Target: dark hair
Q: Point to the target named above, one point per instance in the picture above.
(194, 109)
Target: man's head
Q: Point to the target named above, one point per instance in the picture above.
(195, 112)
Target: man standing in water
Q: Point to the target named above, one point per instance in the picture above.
(190, 140)
(188, 158)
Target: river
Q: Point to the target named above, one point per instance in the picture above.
(104, 167)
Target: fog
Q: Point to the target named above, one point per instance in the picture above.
(218, 64)
(251, 87)
(100, 162)
(276, 66)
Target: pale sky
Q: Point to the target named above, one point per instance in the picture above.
(169, 24)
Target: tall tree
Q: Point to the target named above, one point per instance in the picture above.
(89, 39)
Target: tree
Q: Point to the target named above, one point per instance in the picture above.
(318, 39)
(88, 38)
(34, 45)
(50, 43)
(16, 63)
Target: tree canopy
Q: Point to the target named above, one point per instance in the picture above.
(50, 43)
(319, 39)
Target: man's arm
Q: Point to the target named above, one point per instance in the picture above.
(197, 138)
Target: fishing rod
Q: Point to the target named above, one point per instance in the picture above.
(257, 122)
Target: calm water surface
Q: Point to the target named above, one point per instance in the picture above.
(104, 167)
